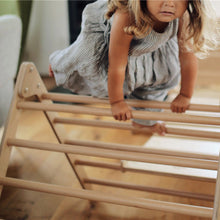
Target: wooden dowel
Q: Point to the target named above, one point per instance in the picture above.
(131, 186)
(123, 168)
(175, 117)
(107, 165)
(193, 133)
(145, 115)
(128, 126)
(135, 103)
(115, 154)
(139, 149)
(97, 123)
(109, 198)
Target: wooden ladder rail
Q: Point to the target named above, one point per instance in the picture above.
(29, 84)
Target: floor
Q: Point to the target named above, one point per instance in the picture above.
(51, 167)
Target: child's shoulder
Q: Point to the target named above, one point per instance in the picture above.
(122, 18)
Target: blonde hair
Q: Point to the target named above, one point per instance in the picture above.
(202, 28)
(141, 22)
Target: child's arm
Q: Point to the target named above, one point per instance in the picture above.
(118, 56)
(188, 62)
(188, 65)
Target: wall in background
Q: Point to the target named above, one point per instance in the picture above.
(216, 4)
(52, 25)
(48, 31)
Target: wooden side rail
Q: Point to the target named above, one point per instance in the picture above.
(109, 198)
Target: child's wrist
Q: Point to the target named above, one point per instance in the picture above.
(117, 101)
(186, 96)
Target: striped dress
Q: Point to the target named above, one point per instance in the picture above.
(153, 64)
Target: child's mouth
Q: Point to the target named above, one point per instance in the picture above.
(167, 13)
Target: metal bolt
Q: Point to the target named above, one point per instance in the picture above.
(38, 85)
(31, 69)
(26, 90)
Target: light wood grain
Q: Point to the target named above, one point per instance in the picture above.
(51, 167)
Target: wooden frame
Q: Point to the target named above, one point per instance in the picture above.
(29, 84)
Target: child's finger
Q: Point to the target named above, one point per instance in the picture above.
(120, 117)
(183, 109)
(173, 108)
(128, 115)
(115, 117)
(123, 117)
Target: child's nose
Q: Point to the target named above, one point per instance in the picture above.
(169, 3)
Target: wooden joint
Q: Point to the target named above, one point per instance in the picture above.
(30, 83)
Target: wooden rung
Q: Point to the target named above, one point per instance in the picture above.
(108, 165)
(131, 186)
(139, 149)
(115, 154)
(193, 133)
(135, 103)
(128, 126)
(145, 115)
(116, 166)
(99, 123)
(109, 198)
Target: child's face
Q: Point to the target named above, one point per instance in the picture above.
(166, 10)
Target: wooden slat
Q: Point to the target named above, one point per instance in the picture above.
(129, 126)
(99, 164)
(145, 115)
(139, 149)
(115, 154)
(109, 198)
(124, 185)
(123, 168)
(135, 103)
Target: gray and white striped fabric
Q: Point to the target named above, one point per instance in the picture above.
(153, 63)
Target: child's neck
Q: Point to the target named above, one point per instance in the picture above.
(160, 26)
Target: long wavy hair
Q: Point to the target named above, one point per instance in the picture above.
(202, 29)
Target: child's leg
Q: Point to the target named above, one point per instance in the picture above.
(158, 127)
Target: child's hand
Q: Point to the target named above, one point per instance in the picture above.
(121, 111)
(180, 104)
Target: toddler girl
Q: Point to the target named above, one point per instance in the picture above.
(137, 49)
